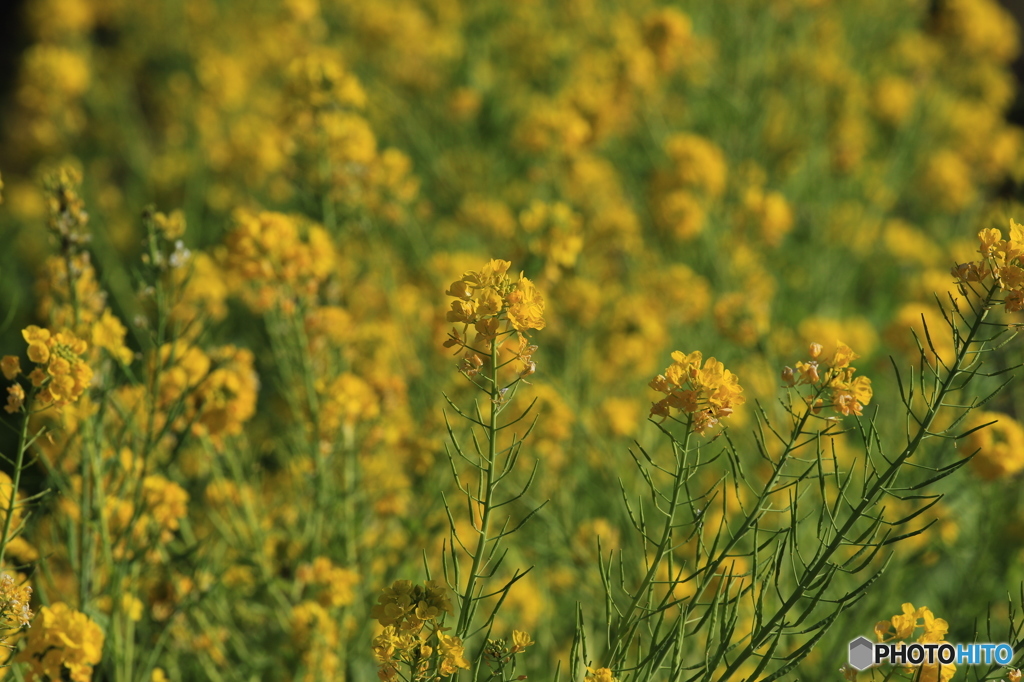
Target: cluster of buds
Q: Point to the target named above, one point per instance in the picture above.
(1001, 262)
(68, 219)
(498, 653)
(496, 307)
(707, 395)
(835, 375)
(498, 649)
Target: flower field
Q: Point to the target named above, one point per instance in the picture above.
(578, 340)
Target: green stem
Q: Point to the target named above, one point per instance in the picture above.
(466, 608)
(19, 464)
(628, 623)
(870, 496)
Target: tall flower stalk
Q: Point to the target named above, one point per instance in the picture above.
(501, 311)
(498, 312)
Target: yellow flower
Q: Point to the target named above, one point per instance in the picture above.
(15, 398)
(166, 502)
(848, 394)
(38, 351)
(462, 311)
(66, 375)
(525, 306)
(171, 226)
(708, 395)
(843, 356)
(10, 365)
(489, 303)
(699, 163)
(337, 581)
(452, 652)
(682, 214)
(407, 606)
(520, 640)
(14, 602)
(108, 333)
(132, 607)
(600, 675)
(905, 623)
(62, 641)
(998, 449)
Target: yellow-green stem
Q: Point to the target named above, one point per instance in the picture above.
(870, 495)
(626, 628)
(465, 610)
(19, 464)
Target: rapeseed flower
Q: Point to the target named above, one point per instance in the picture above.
(707, 395)
(409, 606)
(61, 374)
(834, 375)
(998, 448)
(61, 642)
(902, 627)
(600, 675)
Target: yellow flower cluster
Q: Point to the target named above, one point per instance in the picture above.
(68, 218)
(554, 232)
(108, 333)
(600, 675)
(136, 530)
(487, 297)
(61, 376)
(497, 307)
(403, 609)
(394, 647)
(335, 582)
(274, 259)
(902, 626)
(1001, 261)
(15, 612)
(315, 631)
(408, 606)
(170, 225)
(61, 642)
(345, 401)
(707, 395)
(166, 504)
(998, 448)
(73, 301)
(848, 394)
(213, 393)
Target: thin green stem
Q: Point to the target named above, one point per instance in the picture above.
(466, 607)
(870, 497)
(19, 465)
(630, 620)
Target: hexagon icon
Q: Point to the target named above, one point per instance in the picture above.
(861, 653)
